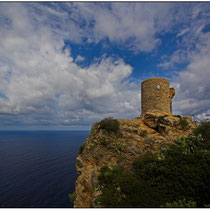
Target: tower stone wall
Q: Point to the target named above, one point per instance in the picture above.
(156, 96)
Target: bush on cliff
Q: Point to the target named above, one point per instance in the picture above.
(181, 204)
(180, 172)
(204, 130)
(109, 124)
(81, 149)
(183, 122)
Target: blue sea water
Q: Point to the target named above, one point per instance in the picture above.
(37, 168)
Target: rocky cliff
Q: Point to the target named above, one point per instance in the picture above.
(121, 147)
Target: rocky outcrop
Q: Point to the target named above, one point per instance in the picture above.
(133, 139)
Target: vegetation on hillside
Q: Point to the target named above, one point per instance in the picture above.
(176, 176)
(183, 122)
(181, 204)
(204, 130)
(109, 124)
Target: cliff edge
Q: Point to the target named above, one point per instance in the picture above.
(118, 143)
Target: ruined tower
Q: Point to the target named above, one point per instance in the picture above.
(156, 97)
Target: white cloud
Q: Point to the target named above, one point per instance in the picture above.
(193, 91)
(79, 58)
(45, 86)
(193, 50)
(202, 117)
(179, 56)
(182, 32)
(133, 25)
(188, 25)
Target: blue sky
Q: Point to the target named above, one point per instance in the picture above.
(67, 65)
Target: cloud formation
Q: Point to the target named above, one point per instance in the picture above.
(133, 26)
(192, 83)
(193, 87)
(43, 84)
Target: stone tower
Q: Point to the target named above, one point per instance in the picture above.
(156, 96)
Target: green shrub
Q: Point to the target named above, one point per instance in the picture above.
(81, 149)
(118, 146)
(204, 130)
(183, 122)
(94, 129)
(94, 142)
(109, 124)
(181, 204)
(176, 172)
(89, 144)
(72, 197)
(79, 163)
(192, 143)
(101, 140)
(108, 179)
(207, 205)
(162, 119)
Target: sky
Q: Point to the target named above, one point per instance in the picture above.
(67, 65)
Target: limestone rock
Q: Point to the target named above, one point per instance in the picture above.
(134, 138)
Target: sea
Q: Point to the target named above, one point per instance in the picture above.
(37, 168)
